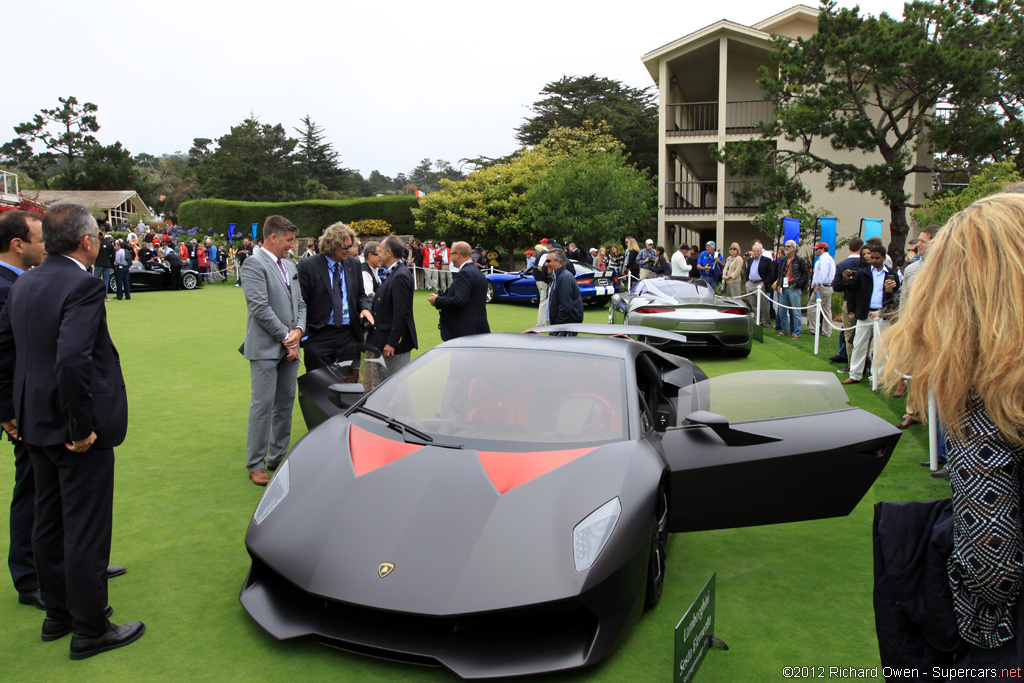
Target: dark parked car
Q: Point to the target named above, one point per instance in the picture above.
(689, 307)
(596, 286)
(157, 276)
(460, 515)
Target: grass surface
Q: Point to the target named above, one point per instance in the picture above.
(788, 595)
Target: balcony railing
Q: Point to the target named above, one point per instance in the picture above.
(697, 197)
(701, 118)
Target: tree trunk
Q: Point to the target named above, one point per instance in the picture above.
(898, 230)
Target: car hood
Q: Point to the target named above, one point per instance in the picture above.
(452, 530)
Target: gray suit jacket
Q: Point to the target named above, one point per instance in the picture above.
(274, 309)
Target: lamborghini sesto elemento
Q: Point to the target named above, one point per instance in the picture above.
(501, 505)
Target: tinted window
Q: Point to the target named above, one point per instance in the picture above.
(508, 399)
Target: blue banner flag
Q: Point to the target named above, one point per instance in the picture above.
(255, 227)
(870, 227)
(791, 230)
(231, 232)
(829, 232)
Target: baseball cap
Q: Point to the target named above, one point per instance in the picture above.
(650, 241)
(710, 243)
(821, 245)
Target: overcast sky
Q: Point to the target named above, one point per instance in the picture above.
(391, 82)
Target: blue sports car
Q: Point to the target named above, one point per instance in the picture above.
(596, 286)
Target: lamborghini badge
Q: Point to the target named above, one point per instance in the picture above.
(384, 569)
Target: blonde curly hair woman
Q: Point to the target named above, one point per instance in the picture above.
(960, 335)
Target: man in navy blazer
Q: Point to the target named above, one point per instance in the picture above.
(464, 306)
(62, 393)
(394, 331)
(336, 304)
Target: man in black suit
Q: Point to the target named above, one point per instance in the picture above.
(332, 286)
(62, 393)
(464, 306)
(394, 331)
(759, 273)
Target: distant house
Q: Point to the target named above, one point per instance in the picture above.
(9, 188)
(708, 94)
(121, 206)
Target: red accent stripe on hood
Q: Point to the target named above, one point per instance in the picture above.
(370, 451)
(509, 470)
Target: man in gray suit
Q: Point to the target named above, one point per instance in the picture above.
(277, 318)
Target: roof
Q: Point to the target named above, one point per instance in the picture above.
(106, 199)
(761, 31)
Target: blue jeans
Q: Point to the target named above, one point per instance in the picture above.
(789, 320)
(104, 274)
(713, 281)
(122, 282)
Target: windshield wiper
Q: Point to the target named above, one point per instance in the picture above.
(404, 429)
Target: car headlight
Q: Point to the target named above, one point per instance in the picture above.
(276, 492)
(590, 536)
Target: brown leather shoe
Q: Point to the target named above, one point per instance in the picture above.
(850, 380)
(271, 466)
(907, 421)
(260, 477)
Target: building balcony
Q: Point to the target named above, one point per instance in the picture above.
(700, 198)
(695, 119)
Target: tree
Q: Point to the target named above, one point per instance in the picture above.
(631, 114)
(318, 159)
(983, 116)
(489, 206)
(591, 199)
(104, 168)
(253, 162)
(428, 174)
(863, 84)
(172, 185)
(993, 178)
(65, 131)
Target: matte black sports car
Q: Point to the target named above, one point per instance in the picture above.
(158, 276)
(690, 307)
(458, 515)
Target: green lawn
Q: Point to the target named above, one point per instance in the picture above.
(788, 595)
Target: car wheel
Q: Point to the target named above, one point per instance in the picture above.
(490, 293)
(189, 280)
(112, 285)
(656, 559)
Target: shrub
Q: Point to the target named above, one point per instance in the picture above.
(373, 226)
(310, 216)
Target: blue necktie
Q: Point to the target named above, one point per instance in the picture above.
(338, 300)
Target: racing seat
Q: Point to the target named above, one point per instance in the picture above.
(493, 409)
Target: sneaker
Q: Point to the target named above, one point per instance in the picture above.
(844, 371)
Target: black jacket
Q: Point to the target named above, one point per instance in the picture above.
(801, 274)
(861, 284)
(464, 306)
(60, 387)
(105, 259)
(314, 280)
(765, 267)
(392, 312)
(565, 304)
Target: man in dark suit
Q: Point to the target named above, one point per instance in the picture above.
(394, 331)
(336, 305)
(759, 274)
(464, 306)
(62, 393)
(565, 304)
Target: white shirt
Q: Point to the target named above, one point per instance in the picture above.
(679, 264)
(878, 288)
(824, 270)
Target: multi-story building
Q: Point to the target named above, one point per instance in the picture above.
(709, 95)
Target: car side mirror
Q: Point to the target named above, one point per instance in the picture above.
(347, 393)
(719, 424)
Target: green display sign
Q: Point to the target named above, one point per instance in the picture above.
(694, 633)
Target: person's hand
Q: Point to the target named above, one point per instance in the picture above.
(847, 274)
(367, 316)
(292, 340)
(292, 354)
(388, 351)
(890, 285)
(11, 427)
(433, 297)
(82, 445)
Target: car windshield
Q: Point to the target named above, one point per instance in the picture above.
(508, 399)
(683, 289)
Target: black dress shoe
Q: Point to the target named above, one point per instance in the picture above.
(944, 472)
(115, 637)
(836, 359)
(34, 598)
(115, 570)
(55, 629)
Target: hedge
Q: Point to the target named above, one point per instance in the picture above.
(310, 216)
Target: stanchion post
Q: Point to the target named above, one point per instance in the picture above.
(933, 433)
(758, 293)
(817, 324)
